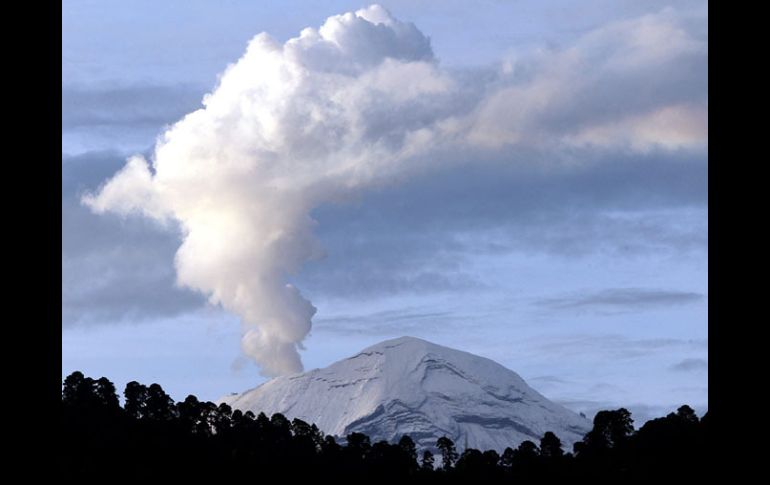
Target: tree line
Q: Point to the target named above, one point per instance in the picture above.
(151, 437)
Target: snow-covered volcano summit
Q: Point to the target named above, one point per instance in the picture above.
(410, 386)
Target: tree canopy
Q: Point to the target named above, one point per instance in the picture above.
(152, 437)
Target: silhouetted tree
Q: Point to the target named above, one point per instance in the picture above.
(281, 431)
(190, 414)
(527, 450)
(448, 452)
(71, 386)
(223, 419)
(387, 461)
(308, 433)
(491, 459)
(674, 442)
(358, 445)
(611, 429)
(506, 460)
(307, 441)
(407, 444)
(200, 441)
(80, 391)
(136, 399)
(262, 425)
(471, 461)
(237, 419)
(686, 414)
(427, 460)
(525, 461)
(330, 445)
(550, 446)
(106, 394)
(159, 405)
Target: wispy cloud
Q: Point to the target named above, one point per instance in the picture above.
(406, 321)
(691, 365)
(620, 299)
(420, 236)
(114, 270)
(127, 106)
(613, 346)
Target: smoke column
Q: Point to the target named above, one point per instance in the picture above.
(359, 101)
(288, 127)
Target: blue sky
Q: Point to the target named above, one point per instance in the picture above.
(579, 261)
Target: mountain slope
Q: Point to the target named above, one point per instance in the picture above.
(411, 386)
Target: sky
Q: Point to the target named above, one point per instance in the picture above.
(523, 180)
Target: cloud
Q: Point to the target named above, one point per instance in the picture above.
(670, 127)
(114, 270)
(107, 116)
(437, 223)
(89, 106)
(691, 365)
(404, 321)
(579, 95)
(86, 171)
(327, 116)
(621, 299)
(123, 285)
(614, 347)
(546, 384)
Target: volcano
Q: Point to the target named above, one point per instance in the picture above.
(409, 386)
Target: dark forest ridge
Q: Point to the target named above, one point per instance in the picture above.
(151, 438)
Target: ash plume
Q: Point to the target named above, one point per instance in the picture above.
(357, 102)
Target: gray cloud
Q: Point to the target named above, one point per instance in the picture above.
(125, 285)
(613, 346)
(127, 117)
(481, 193)
(621, 299)
(405, 321)
(546, 384)
(127, 105)
(88, 170)
(548, 379)
(113, 269)
(419, 236)
(691, 365)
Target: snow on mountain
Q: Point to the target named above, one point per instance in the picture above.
(410, 386)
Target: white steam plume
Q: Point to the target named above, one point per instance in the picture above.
(361, 100)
